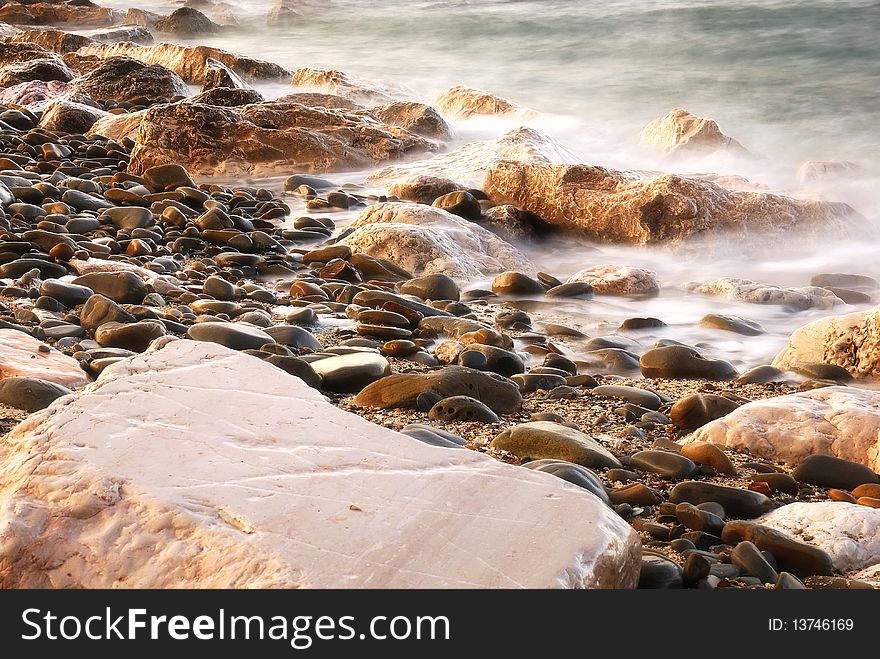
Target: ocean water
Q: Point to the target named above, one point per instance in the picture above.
(793, 80)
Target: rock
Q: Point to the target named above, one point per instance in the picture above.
(76, 14)
(574, 474)
(417, 118)
(468, 163)
(462, 408)
(39, 69)
(666, 463)
(709, 454)
(787, 581)
(350, 373)
(839, 421)
(461, 203)
(124, 78)
(681, 132)
(226, 98)
(29, 394)
(67, 117)
(187, 21)
(636, 494)
(737, 502)
(423, 189)
(683, 362)
(731, 324)
(217, 74)
(134, 336)
(267, 138)
(693, 518)
(122, 287)
(695, 569)
(431, 287)
(547, 440)
(57, 41)
(463, 102)
(231, 335)
(818, 170)
(70, 295)
(129, 217)
(851, 341)
(516, 283)
(777, 482)
(761, 375)
(401, 390)
(189, 62)
(277, 508)
(791, 555)
(620, 207)
(130, 34)
(751, 561)
(21, 355)
(352, 87)
(696, 410)
(512, 223)
(640, 397)
(618, 280)
(118, 126)
(745, 290)
(828, 471)
(659, 572)
(99, 310)
(425, 240)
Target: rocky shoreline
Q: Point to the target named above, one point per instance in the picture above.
(132, 270)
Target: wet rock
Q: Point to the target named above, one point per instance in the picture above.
(29, 394)
(696, 410)
(462, 408)
(460, 101)
(698, 520)
(461, 203)
(417, 118)
(68, 294)
(231, 335)
(659, 572)
(187, 21)
(574, 474)
(828, 471)
(357, 89)
(791, 555)
(423, 189)
(709, 454)
(68, 117)
(679, 132)
(761, 375)
(23, 355)
(683, 362)
(293, 336)
(731, 324)
(431, 287)
(99, 310)
(666, 463)
(39, 69)
(122, 79)
(636, 324)
(134, 336)
(737, 502)
(516, 283)
(640, 397)
(402, 389)
(745, 290)
(751, 561)
(122, 287)
(351, 372)
(618, 280)
(547, 440)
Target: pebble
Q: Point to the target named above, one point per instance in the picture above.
(751, 561)
(231, 335)
(828, 471)
(736, 502)
(29, 394)
(659, 572)
(778, 482)
(516, 283)
(461, 203)
(696, 410)
(431, 287)
(133, 336)
(636, 494)
(349, 373)
(699, 520)
(683, 362)
(791, 555)
(573, 473)
(733, 324)
(544, 439)
(462, 408)
(641, 397)
(709, 454)
(665, 463)
(121, 287)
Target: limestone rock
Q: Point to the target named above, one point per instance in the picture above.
(847, 532)
(23, 355)
(682, 132)
(746, 290)
(124, 78)
(843, 422)
(189, 62)
(463, 102)
(817, 170)
(467, 164)
(265, 139)
(426, 240)
(417, 118)
(246, 477)
(118, 126)
(623, 207)
(618, 280)
(851, 341)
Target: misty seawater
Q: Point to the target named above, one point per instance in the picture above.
(792, 80)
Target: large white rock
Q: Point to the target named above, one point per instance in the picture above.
(851, 341)
(199, 466)
(23, 355)
(848, 532)
(467, 164)
(839, 421)
(609, 279)
(427, 240)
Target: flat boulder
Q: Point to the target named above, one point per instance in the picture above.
(122, 79)
(425, 240)
(21, 355)
(265, 139)
(39, 69)
(843, 422)
(623, 207)
(242, 479)
(680, 132)
(625, 280)
(851, 341)
(468, 163)
(746, 290)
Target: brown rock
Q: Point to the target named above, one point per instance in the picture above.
(800, 559)
(709, 454)
(417, 118)
(682, 132)
(696, 410)
(423, 189)
(124, 78)
(461, 101)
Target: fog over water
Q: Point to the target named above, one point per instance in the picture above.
(793, 80)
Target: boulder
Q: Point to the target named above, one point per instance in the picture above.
(23, 355)
(137, 34)
(118, 126)
(843, 422)
(623, 207)
(468, 163)
(73, 14)
(68, 117)
(426, 240)
(851, 341)
(746, 290)
(352, 87)
(57, 41)
(463, 102)
(265, 139)
(189, 62)
(318, 100)
(226, 97)
(682, 132)
(29, 394)
(618, 280)
(187, 22)
(217, 74)
(39, 69)
(417, 118)
(818, 170)
(423, 189)
(242, 479)
(141, 17)
(122, 79)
